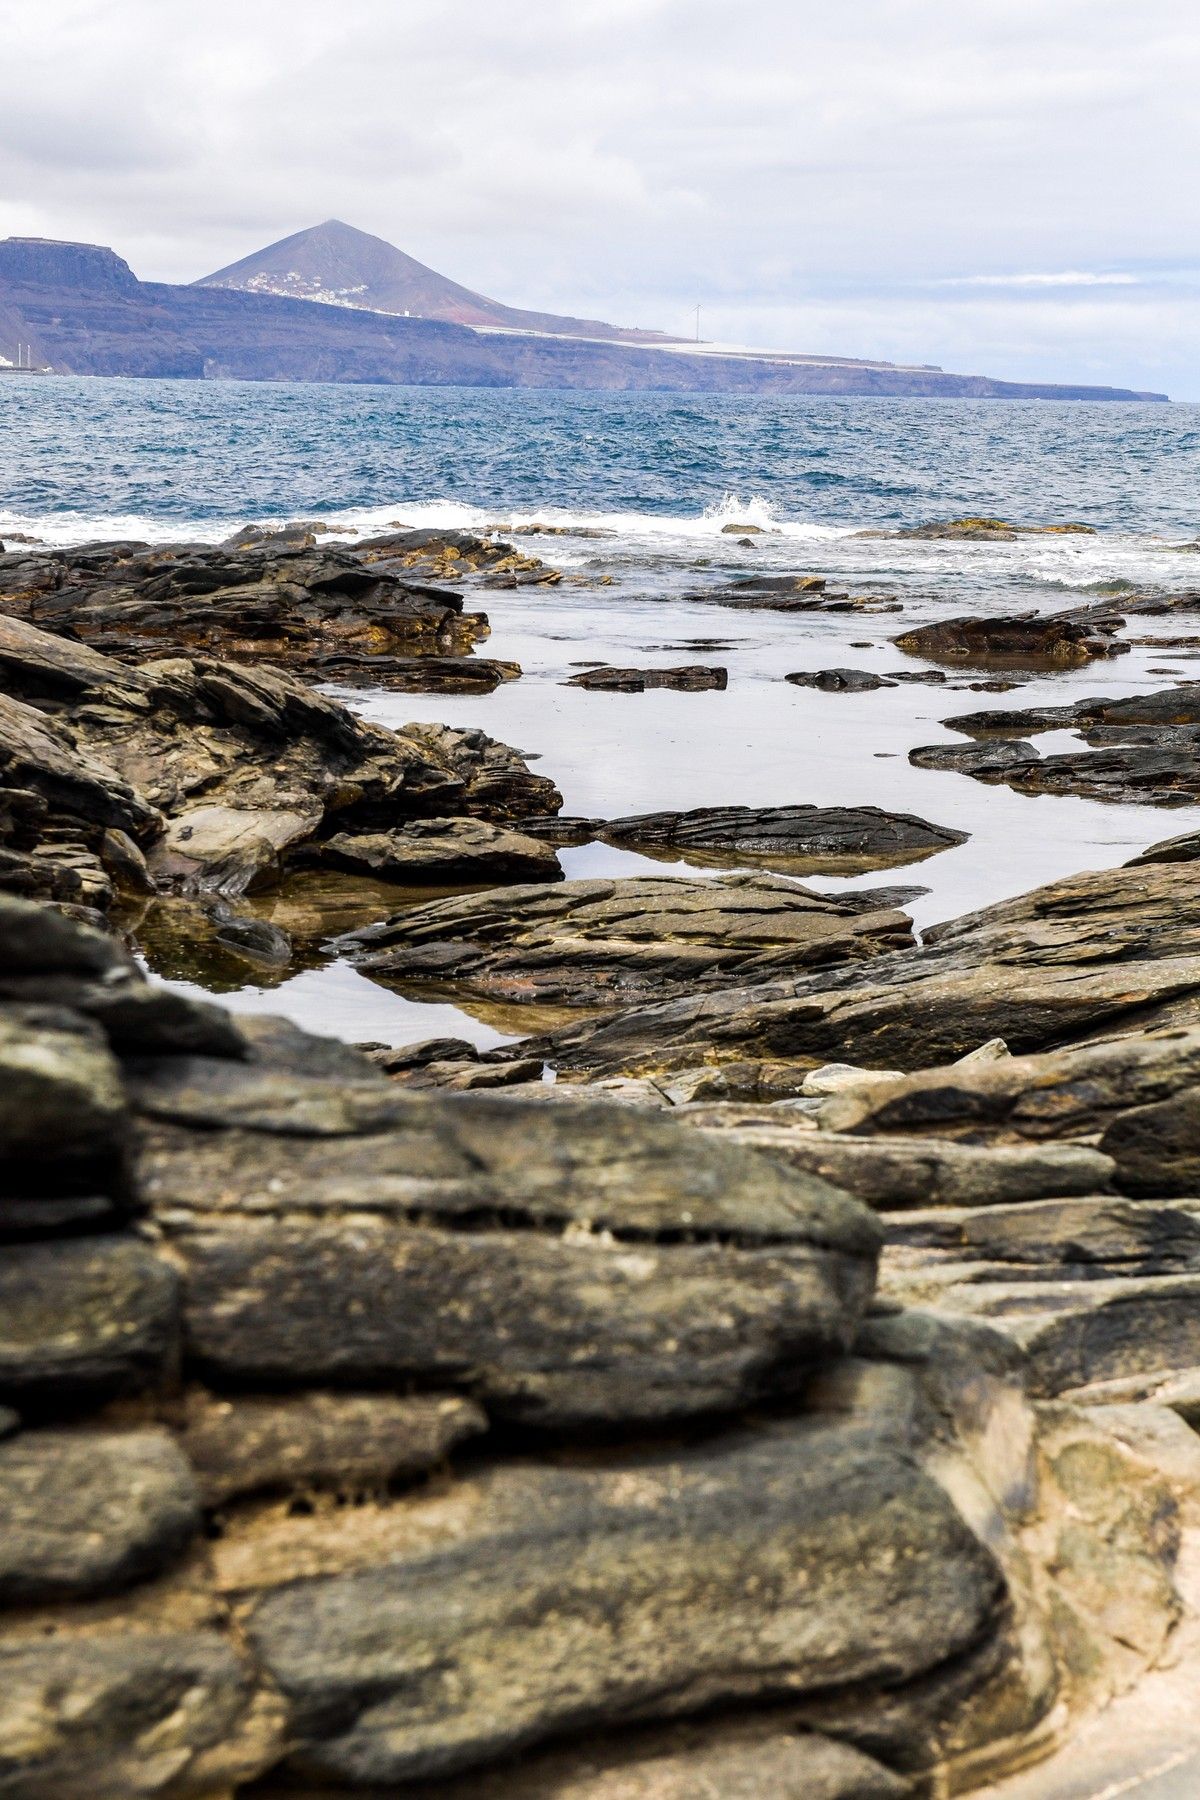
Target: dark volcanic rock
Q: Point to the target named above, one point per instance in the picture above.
(267, 601)
(577, 1596)
(692, 679)
(793, 594)
(593, 943)
(344, 1441)
(1017, 640)
(1146, 748)
(833, 840)
(987, 762)
(429, 851)
(839, 681)
(86, 1318)
(87, 1512)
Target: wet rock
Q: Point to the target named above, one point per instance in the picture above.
(125, 863)
(350, 1442)
(255, 939)
(591, 943)
(988, 531)
(694, 679)
(214, 773)
(276, 600)
(88, 1512)
(803, 839)
(458, 851)
(794, 593)
(417, 674)
(85, 1318)
(987, 762)
(577, 1596)
(1017, 640)
(453, 556)
(839, 681)
(176, 1714)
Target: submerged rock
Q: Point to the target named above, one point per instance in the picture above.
(693, 679)
(834, 840)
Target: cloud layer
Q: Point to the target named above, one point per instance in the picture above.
(1003, 187)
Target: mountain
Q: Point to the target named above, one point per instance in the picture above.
(339, 265)
(82, 311)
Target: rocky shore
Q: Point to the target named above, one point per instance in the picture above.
(774, 1375)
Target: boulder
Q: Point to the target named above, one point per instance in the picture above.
(88, 1512)
(584, 1595)
(428, 852)
(592, 943)
(1017, 640)
(619, 1267)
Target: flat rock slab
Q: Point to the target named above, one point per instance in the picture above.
(561, 1264)
(604, 942)
(575, 1596)
(246, 1443)
(1065, 1093)
(811, 840)
(794, 594)
(695, 678)
(897, 1173)
(417, 674)
(89, 1512)
(85, 1318)
(450, 851)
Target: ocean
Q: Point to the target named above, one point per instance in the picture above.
(640, 489)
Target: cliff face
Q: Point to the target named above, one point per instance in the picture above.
(85, 313)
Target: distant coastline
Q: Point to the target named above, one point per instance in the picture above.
(84, 312)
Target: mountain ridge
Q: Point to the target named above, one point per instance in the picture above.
(336, 264)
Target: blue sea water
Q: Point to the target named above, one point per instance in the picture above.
(195, 455)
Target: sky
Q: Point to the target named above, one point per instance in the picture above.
(1004, 187)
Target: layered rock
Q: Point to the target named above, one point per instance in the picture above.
(607, 942)
(1144, 749)
(266, 1517)
(798, 840)
(793, 594)
(1094, 953)
(693, 678)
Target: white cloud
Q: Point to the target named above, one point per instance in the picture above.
(784, 162)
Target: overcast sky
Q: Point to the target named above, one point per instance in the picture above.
(1001, 186)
